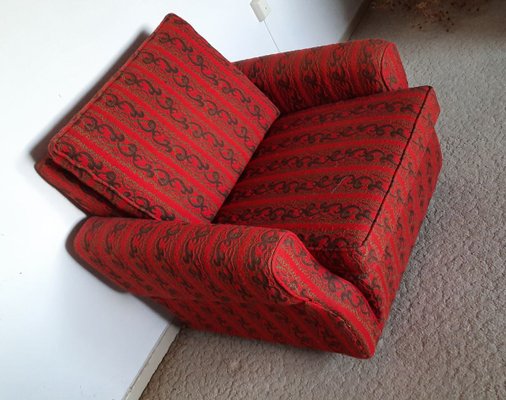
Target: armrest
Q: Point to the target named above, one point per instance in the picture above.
(145, 257)
(306, 78)
(181, 265)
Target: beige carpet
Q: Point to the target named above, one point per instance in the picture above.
(446, 335)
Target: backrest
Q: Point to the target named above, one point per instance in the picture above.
(169, 134)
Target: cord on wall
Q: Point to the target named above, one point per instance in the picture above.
(272, 37)
(262, 9)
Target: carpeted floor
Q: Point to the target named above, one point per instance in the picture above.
(446, 335)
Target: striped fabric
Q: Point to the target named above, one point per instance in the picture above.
(71, 187)
(350, 179)
(253, 282)
(305, 78)
(320, 215)
(170, 133)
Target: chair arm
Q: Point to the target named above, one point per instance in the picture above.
(306, 78)
(147, 257)
(179, 265)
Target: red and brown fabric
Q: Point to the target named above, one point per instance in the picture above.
(311, 77)
(259, 283)
(85, 198)
(170, 133)
(352, 180)
(310, 245)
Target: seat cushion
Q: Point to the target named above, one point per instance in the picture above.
(352, 180)
(169, 134)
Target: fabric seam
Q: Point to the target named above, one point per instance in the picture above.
(394, 176)
(388, 44)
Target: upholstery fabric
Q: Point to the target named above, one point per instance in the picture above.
(306, 78)
(71, 187)
(170, 133)
(255, 282)
(321, 213)
(352, 180)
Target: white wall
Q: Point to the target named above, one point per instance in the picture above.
(298, 24)
(64, 334)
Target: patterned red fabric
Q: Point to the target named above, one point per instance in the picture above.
(167, 138)
(352, 180)
(253, 282)
(306, 78)
(81, 195)
(170, 133)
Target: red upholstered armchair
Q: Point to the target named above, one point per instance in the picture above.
(276, 198)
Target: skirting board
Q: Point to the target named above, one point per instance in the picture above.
(153, 361)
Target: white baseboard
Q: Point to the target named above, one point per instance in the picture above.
(153, 361)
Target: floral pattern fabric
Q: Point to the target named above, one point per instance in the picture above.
(170, 133)
(299, 237)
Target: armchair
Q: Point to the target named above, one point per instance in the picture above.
(276, 198)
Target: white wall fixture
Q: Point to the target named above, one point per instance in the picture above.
(261, 9)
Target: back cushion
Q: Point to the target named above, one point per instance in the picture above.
(168, 136)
